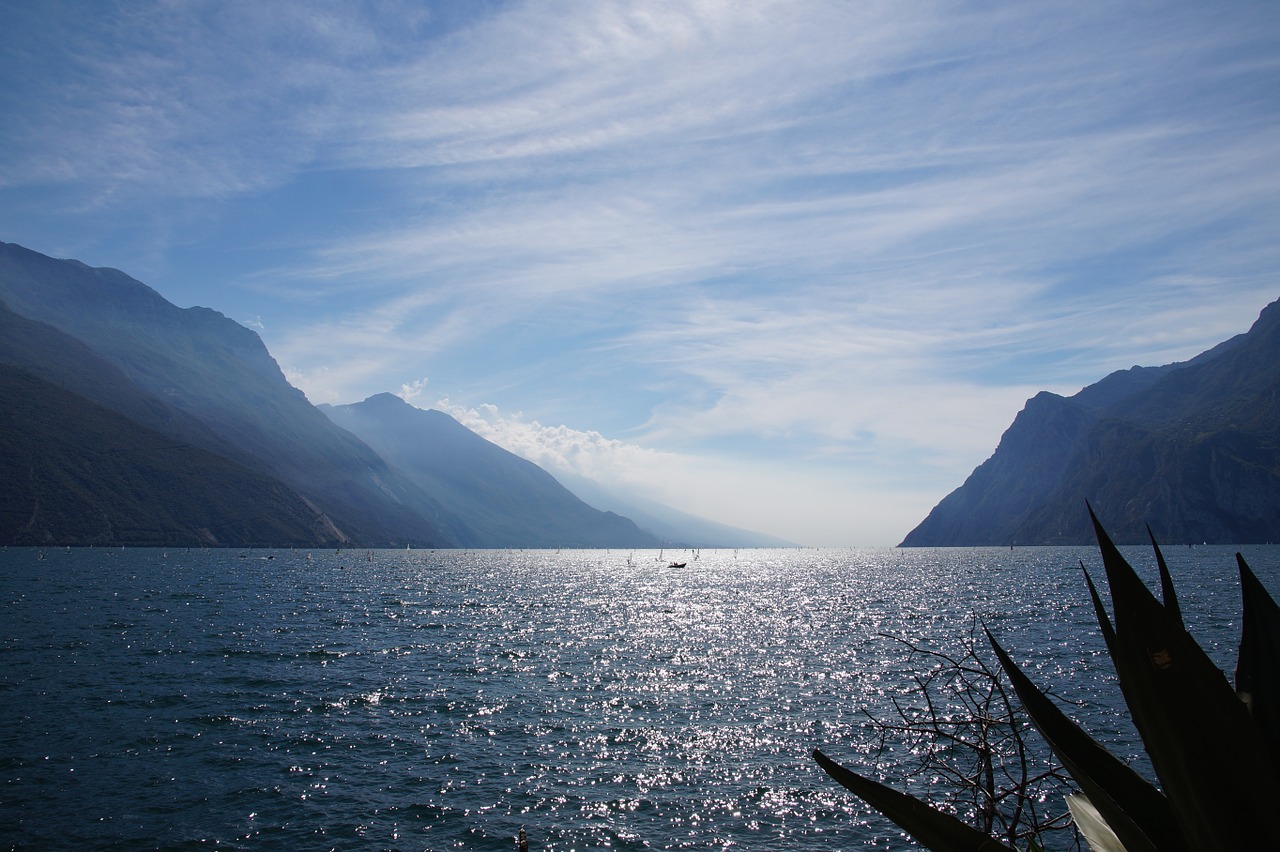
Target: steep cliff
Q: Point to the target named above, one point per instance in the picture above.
(200, 377)
(1192, 449)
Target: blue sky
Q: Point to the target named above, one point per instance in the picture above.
(793, 266)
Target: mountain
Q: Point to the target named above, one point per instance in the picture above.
(130, 420)
(502, 499)
(89, 458)
(78, 473)
(671, 526)
(1192, 449)
(62, 360)
(220, 390)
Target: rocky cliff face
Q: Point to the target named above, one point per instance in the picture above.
(1192, 449)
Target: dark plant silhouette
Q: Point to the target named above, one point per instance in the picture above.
(1212, 749)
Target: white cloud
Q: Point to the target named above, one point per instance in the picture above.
(560, 449)
(411, 391)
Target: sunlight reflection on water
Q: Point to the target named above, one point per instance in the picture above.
(434, 700)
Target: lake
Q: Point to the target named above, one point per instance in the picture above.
(445, 699)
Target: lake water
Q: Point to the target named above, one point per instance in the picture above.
(444, 700)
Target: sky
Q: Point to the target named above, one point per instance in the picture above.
(792, 266)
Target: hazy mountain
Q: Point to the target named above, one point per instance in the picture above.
(62, 360)
(1193, 449)
(218, 374)
(671, 526)
(77, 473)
(89, 458)
(502, 499)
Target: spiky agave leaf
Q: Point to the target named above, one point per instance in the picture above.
(1167, 591)
(1258, 666)
(1104, 621)
(1095, 829)
(929, 826)
(1133, 808)
(1205, 748)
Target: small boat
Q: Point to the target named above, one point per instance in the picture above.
(677, 564)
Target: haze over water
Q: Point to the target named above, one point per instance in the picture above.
(437, 700)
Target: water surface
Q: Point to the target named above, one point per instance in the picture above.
(444, 700)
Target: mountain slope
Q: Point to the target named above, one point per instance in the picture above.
(1193, 449)
(219, 374)
(62, 360)
(504, 500)
(77, 473)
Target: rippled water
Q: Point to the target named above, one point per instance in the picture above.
(438, 700)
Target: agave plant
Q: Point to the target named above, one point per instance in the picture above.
(1214, 749)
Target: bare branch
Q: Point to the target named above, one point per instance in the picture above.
(965, 730)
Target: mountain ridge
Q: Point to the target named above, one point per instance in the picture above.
(91, 355)
(1191, 448)
(220, 373)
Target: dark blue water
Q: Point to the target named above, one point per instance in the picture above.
(444, 700)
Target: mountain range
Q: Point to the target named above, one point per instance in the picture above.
(1191, 450)
(125, 419)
